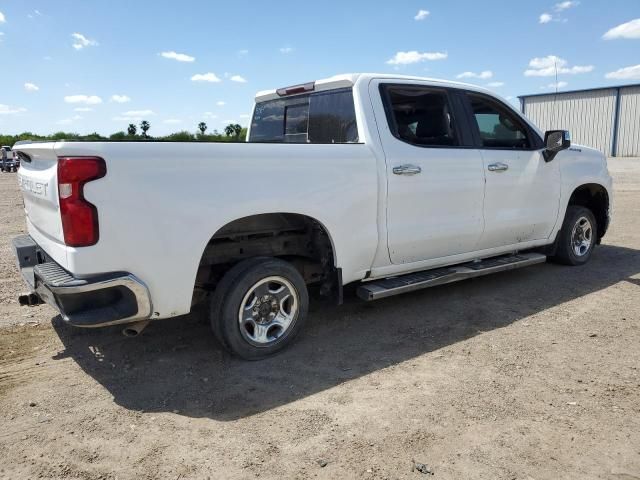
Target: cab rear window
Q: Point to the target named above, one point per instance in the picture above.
(323, 117)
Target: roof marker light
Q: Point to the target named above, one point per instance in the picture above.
(302, 88)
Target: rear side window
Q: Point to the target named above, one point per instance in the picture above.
(420, 116)
(498, 127)
(323, 117)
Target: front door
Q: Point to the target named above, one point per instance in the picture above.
(522, 194)
(435, 182)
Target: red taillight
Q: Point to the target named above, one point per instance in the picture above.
(79, 217)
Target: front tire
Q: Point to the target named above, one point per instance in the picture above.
(577, 238)
(259, 307)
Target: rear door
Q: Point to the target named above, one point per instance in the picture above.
(435, 177)
(522, 193)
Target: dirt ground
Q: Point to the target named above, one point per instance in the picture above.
(529, 374)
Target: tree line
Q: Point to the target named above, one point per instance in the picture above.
(231, 133)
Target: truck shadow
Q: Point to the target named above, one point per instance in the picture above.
(176, 366)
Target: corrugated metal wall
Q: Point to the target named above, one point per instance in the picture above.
(590, 115)
(587, 115)
(629, 124)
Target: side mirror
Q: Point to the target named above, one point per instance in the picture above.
(555, 141)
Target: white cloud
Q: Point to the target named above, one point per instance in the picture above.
(68, 121)
(31, 87)
(205, 77)
(220, 103)
(134, 116)
(421, 15)
(210, 115)
(138, 113)
(80, 41)
(245, 115)
(8, 110)
(547, 66)
(2, 18)
(180, 57)
(495, 84)
(545, 18)
(482, 75)
(83, 109)
(413, 56)
(243, 53)
(286, 50)
(559, 7)
(238, 78)
(85, 99)
(172, 121)
(558, 85)
(629, 30)
(120, 98)
(626, 73)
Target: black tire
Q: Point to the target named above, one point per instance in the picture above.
(235, 290)
(565, 252)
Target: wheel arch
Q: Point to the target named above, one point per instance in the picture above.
(300, 238)
(596, 198)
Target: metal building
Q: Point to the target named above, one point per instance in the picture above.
(605, 118)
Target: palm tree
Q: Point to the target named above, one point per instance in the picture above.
(202, 127)
(233, 130)
(145, 126)
(132, 130)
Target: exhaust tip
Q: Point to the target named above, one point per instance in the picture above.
(134, 329)
(130, 332)
(29, 299)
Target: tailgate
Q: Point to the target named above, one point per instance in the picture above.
(37, 178)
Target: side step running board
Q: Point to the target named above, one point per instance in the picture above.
(388, 287)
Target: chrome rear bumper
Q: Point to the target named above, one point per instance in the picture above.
(94, 301)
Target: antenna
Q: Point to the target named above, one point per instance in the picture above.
(555, 97)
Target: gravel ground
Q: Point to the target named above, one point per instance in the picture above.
(529, 374)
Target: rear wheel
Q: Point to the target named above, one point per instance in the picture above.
(577, 238)
(259, 307)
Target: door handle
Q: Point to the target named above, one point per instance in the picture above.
(407, 170)
(498, 167)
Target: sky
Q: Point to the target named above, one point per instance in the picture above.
(97, 65)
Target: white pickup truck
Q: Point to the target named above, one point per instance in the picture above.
(394, 183)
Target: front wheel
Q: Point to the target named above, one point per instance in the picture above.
(577, 238)
(259, 307)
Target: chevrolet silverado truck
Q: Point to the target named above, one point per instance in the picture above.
(393, 183)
